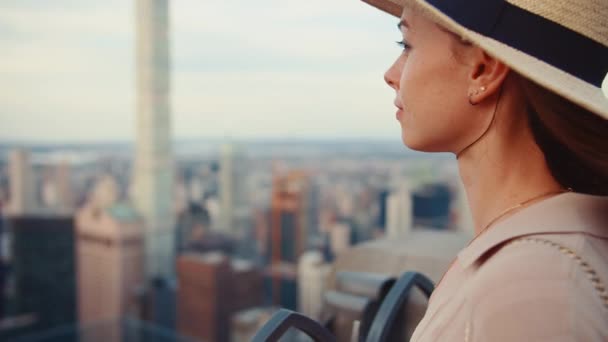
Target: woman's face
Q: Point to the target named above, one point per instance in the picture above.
(431, 87)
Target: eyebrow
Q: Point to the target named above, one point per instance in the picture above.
(403, 23)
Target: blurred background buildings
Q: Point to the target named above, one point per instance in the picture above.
(83, 262)
(167, 239)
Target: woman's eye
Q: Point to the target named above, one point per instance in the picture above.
(404, 45)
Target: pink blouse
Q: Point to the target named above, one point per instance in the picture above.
(539, 275)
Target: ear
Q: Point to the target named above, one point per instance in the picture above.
(486, 77)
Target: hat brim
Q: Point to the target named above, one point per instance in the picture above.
(568, 86)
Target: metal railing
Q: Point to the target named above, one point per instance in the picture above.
(381, 325)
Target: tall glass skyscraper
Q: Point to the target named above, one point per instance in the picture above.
(153, 171)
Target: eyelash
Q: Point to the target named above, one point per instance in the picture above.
(404, 45)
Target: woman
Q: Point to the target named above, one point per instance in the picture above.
(514, 89)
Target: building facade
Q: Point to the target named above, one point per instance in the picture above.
(153, 170)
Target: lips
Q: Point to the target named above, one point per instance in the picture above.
(399, 110)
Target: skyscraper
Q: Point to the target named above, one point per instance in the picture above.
(233, 192)
(22, 185)
(340, 238)
(192, 226)
(211, 289)
(289, 224)
(62, 178)
(43, 270)
(3, 260)
(109, 253)
(431, 206)
(153, 171)
(56, 189)
(203, 296)
(399, 209)
(312, 275)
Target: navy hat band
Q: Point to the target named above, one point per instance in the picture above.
(533, 34)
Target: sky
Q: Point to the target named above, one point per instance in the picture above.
(239, 69)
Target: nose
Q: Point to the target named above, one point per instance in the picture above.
(392, 75)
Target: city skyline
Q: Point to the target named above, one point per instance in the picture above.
(296, 76)
(348, 204)
(185, 162)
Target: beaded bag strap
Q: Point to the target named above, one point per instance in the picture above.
(589, 271)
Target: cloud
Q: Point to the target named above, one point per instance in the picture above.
(239, 68)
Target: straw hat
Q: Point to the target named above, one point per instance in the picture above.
(559, 44)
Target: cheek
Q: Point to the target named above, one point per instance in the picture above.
(422, 93)
(430, 83)
(432, 102)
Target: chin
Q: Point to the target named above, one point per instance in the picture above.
(411, 142)
(422, 145)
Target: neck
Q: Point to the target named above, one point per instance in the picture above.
(504, 168)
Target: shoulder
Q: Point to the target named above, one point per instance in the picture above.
(537, 288)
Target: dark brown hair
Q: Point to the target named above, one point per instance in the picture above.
(573, 139)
